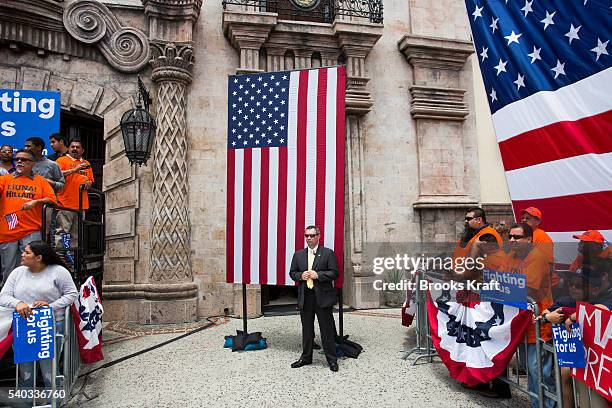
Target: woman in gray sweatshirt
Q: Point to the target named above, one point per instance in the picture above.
(41, 280)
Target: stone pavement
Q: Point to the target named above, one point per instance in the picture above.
(196, 371)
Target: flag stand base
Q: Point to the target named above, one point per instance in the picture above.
(243, 341)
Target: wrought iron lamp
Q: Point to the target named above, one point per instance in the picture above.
(138, 128)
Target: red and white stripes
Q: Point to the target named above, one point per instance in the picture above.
(274, 193)
(557, 152)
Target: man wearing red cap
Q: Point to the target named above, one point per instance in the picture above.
(533, 217)
(591, 246)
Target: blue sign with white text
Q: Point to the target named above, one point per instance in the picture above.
(25, 113)
(33, 338)
(569, 346)
(511, 288)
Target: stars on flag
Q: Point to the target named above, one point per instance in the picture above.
(532, 44)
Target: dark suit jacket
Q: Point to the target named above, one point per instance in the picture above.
(326, 267)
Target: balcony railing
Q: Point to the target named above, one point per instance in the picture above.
(325, 11)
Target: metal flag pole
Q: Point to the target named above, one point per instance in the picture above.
(341, 313)
(244, 308)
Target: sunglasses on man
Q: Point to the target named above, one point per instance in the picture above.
(515, 237)
(310, 235)
(23, 159)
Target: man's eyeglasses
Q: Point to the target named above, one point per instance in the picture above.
(515, 237)
(23, 159)
(467, 219)
(310, 235)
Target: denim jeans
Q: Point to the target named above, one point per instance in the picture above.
(26, 370)
(532, 369)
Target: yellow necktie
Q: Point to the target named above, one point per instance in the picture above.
(310, 282)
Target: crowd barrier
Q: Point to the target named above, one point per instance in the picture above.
(424, 349)
(62, 383)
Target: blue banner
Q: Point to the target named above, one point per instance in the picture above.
(33, 338)
(569, 346)
(24, 114)
(511, 288)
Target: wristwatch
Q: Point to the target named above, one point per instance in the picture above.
(545, 318)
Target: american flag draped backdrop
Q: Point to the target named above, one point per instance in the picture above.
(547, 71)
(285, 170)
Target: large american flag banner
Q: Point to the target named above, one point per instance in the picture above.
(285, 170)
(546, 66)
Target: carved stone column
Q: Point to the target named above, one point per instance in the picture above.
(170, 275)
(170, 216)
(439, 109)
(356, 41)
(303, 58)
(247, 33)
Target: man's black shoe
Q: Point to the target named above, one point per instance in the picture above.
(315, 346)
(300, 363)
(333, 367)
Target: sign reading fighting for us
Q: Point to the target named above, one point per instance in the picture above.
(33, 337)
(511, 288)
(25, 113)
(570, 350)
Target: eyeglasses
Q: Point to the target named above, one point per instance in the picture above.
(310, 235)
(22, 159)
(467, 219)
(515, 237)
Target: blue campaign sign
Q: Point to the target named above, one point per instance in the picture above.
(509, 288)
(33, 337)
(25, 113)
(569, 346)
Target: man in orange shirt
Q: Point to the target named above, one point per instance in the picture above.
(524, 258)
(591, 246)
(77, 172)
(476, 226)
(22, 195)
(533, 217)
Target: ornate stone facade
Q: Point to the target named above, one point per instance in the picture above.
(411, 152)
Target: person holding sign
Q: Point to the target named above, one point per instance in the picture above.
(22, 195)
(41, 280)
(579, 287)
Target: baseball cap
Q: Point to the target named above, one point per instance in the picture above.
(591, 236)
(533, 212)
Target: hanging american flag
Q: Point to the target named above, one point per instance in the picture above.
(285, 170)
(11, 220)
(547, 71)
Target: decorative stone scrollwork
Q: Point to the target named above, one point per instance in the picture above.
(91, 22)
(172, 62)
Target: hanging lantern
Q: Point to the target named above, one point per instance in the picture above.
(138, 128)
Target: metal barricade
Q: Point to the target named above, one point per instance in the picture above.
(585, 397)
(57, 395)
(425, 350)
(424, 345)
(543, 348)
(72, 355)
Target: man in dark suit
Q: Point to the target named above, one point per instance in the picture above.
(315, 269)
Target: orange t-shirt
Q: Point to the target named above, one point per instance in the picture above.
(15, 191)
(544, 243)
(462, 252)
(68, 197)
(537, 270)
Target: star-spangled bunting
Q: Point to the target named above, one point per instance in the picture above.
(546, 67)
